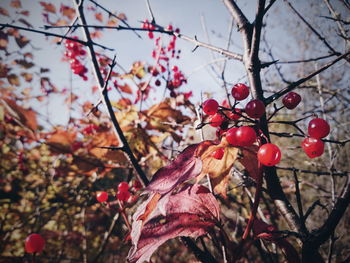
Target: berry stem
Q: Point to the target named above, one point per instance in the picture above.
(122, 212)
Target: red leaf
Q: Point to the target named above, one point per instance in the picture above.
(184, 167)
(4, 12)
(190, 212)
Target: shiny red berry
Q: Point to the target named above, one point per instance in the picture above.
(218, 153)
(34, 243)
(123, 187)
(291, 100)
(318, 128)
(245, 136)
(216, 119)
(240, 91)
(313, 147)
(123, 196)
(231, 136)
(255, 109)
(102, 197)
(269, 154)
(210, 106)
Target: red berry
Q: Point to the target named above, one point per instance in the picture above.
(269, 154)
(216, 119)
(255, 109)
(231, 136)
(218, 153)
(291, 100)
(318, 128)
(123, 196)
(34, 243)
(102, 197)
(245, 136)
(240, 91)
(157, 83)
(175, 68)
(313, 147)
(137, 185)
(210, 106)
(123, 187)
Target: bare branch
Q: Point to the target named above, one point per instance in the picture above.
(304, 79)
(312, 29)
(45, 33)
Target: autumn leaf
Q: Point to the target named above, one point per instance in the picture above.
(249, 160)
(4, 70)
(4, 12)
(67, 11)
(125, 88)
(184, 167)
(99, 17)
(27, 76)
(48, 7)
(265, 231)
(191, 212)
(22, 41)
(61, 141)
(16, 4)
(13, 79)
(25, 64)
(3, 40)
(218, 170)
(25, 117)
(106, 139)
(138, 70)
(25, 22)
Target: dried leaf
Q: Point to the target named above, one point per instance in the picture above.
(3, 40)
(106, 139)
(25, 22)
(67, 11)
(138, 69)
(27, 76)
(24, 12)
(25, 64)
(13, 79)
(61, 141)
(249, 160)
(186, 166)
(16, 4)
(99, 17)
(26, 117)
(192, 212)
(125, 88)
(4, 70)
(218, 170)
(4, 12)
(22, 41)
(48, 7)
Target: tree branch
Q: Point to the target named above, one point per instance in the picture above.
(304, 79)
(104, 92)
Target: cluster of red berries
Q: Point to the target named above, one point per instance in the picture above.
(162, 55)
(123, 193)
(268, 154)
(73, 54)
(90, 129)
(313, 146)
(34, 243)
